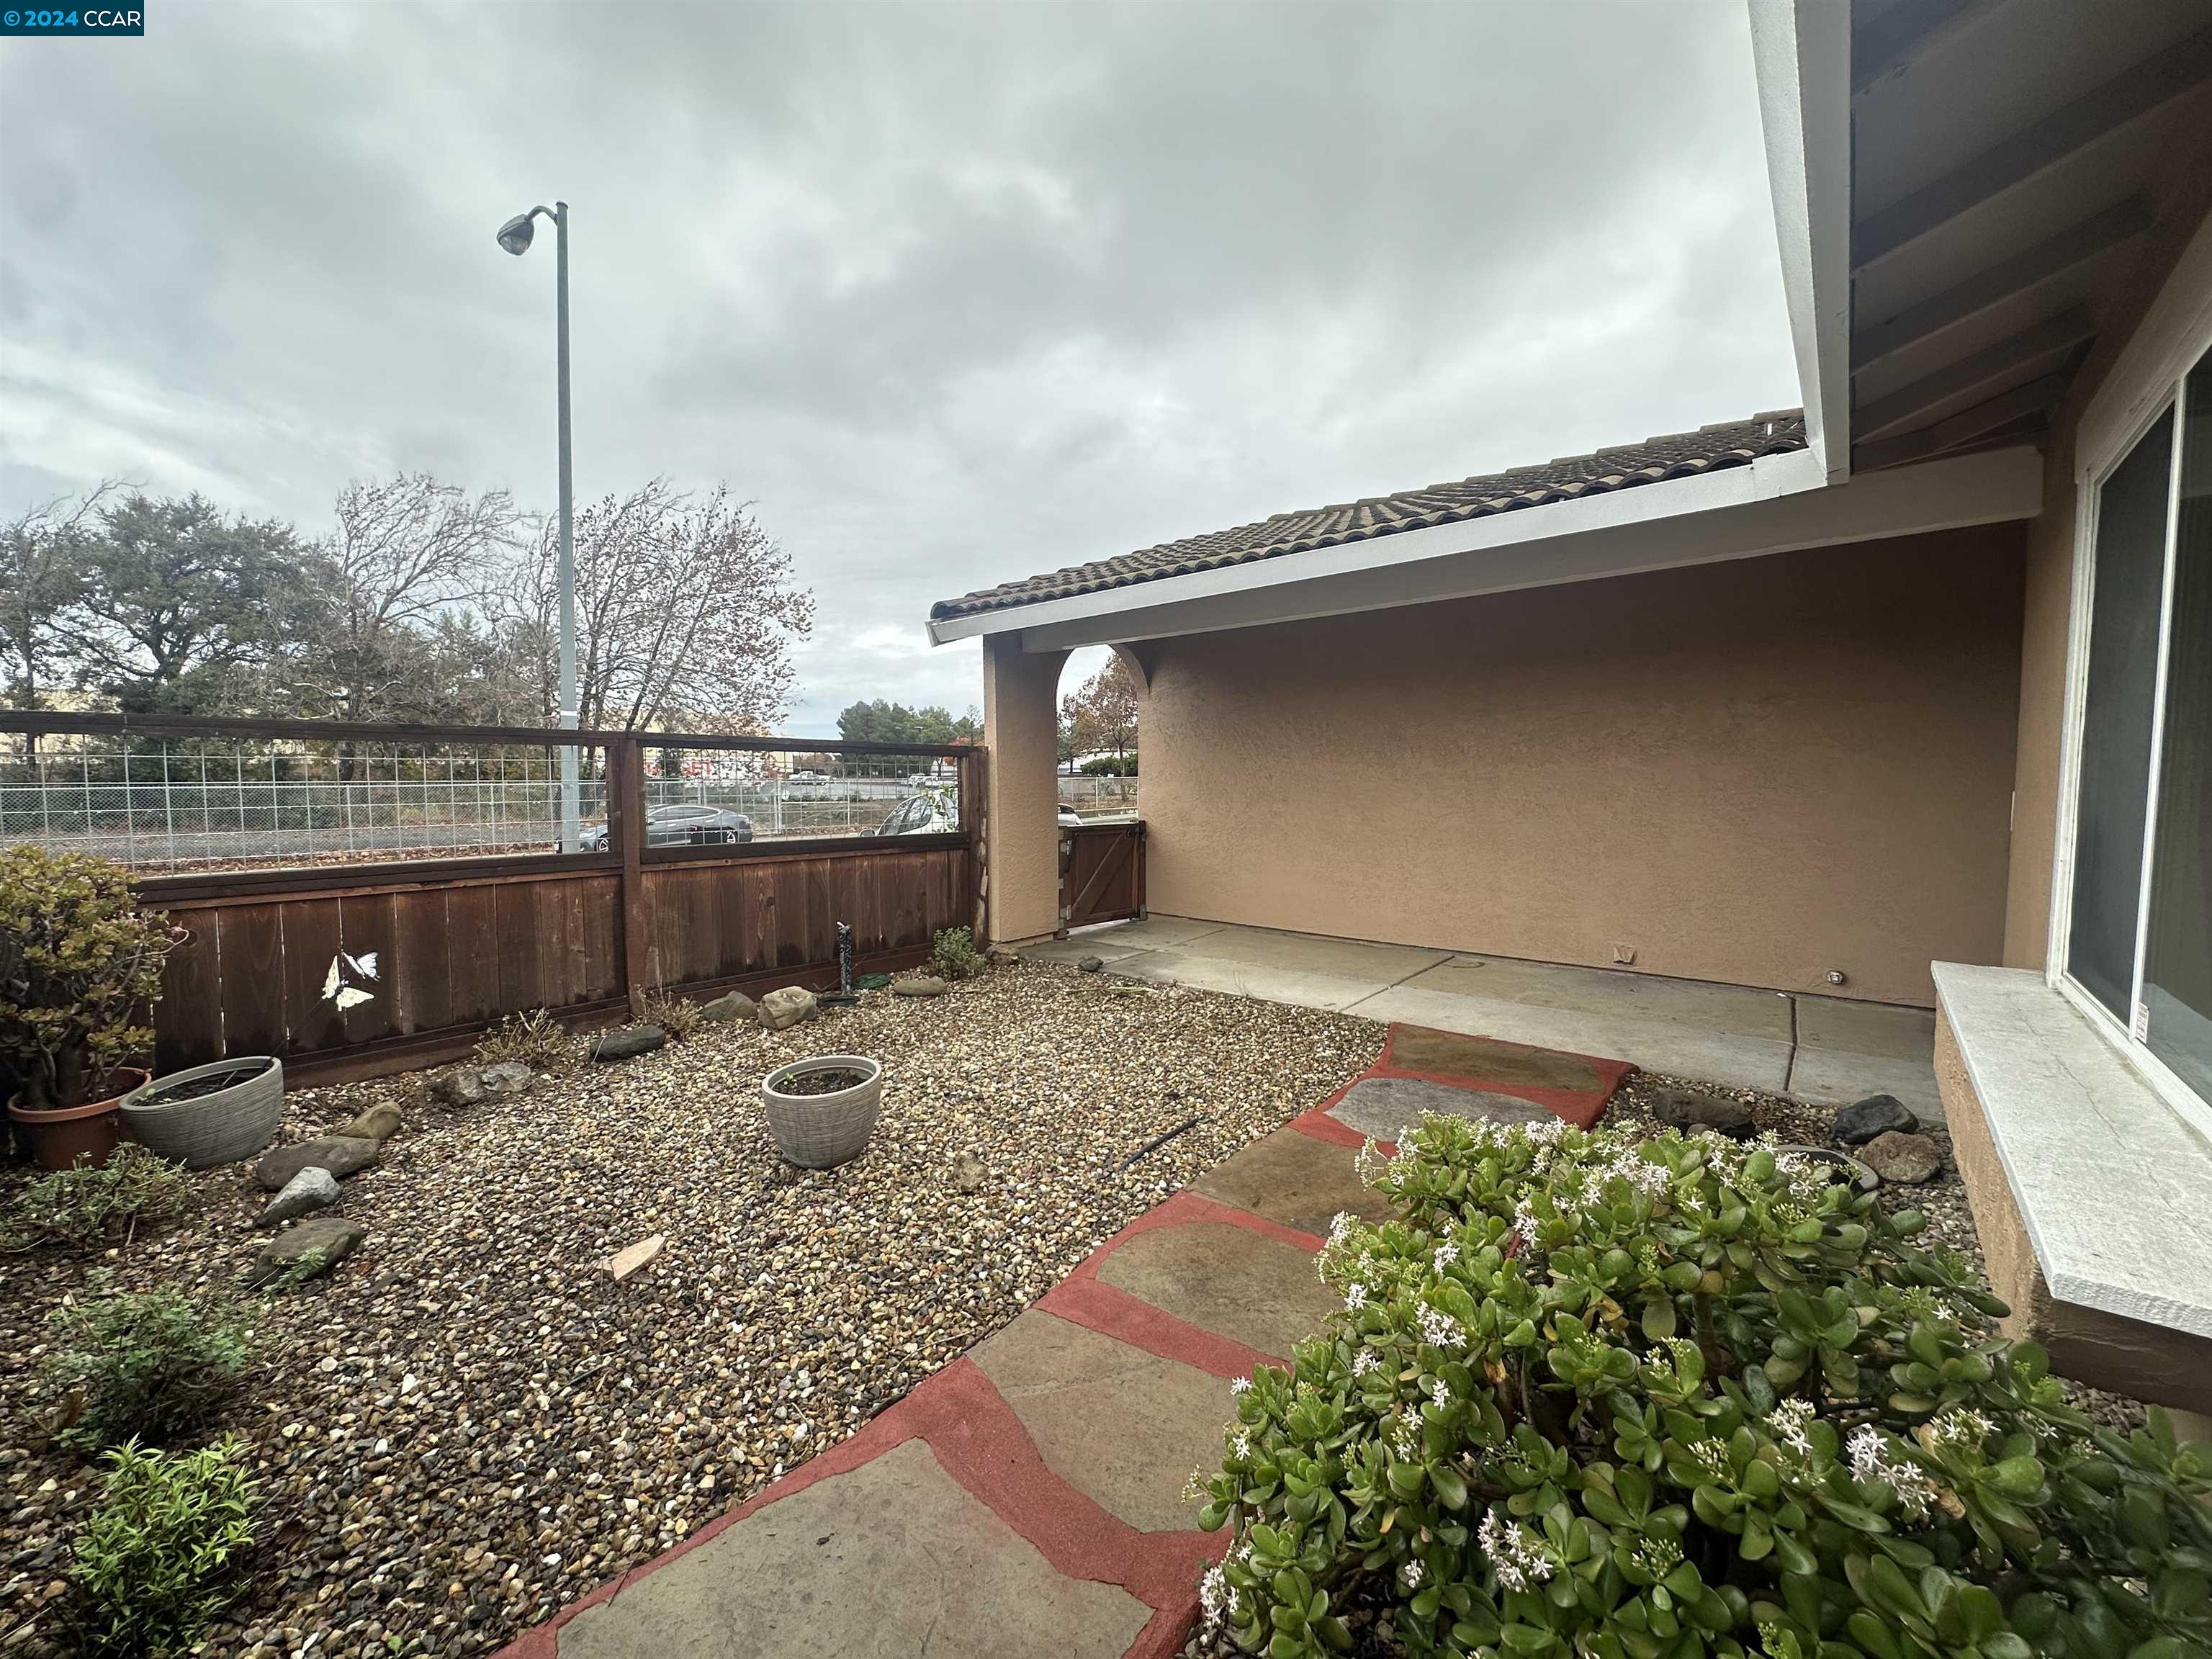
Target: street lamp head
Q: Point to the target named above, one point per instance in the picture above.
(515, 234)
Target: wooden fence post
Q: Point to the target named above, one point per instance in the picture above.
(626, 816)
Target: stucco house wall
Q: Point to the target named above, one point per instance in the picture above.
(1752, 771)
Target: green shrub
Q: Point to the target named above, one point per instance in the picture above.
(536, 1039)
(155, 1560)
(90, 1205)
(78, 958)
(1597, 1397)
(956, 955)
(146, 1366)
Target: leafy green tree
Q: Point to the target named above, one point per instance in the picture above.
(185, 607)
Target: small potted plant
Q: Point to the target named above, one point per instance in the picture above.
(78, 959)
(821, 1110)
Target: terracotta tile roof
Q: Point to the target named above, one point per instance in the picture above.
(1676, 455)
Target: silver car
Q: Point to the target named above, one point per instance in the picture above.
(679, 824)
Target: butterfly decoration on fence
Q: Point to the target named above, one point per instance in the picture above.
(345, 967)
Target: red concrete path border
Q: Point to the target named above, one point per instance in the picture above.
(979, 1442)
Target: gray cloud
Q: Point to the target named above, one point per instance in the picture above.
(952, 293)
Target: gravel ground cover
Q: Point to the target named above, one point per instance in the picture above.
(469, 1424)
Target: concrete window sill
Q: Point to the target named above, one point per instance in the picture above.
(2113, 1188)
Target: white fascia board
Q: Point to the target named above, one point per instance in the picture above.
(1801, 50)
(1773, 506)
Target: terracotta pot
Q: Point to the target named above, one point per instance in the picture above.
(74, 1134)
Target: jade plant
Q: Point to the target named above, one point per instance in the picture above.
(79, 962)
(1609, 1397)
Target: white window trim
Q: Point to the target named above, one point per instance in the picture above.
(2151, 388)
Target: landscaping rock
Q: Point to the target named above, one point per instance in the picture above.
(380, 1122)
(1905, 1159)
(781, 1010)
(342, 1155)
(472, 1086)
(1691, 1109)
(629, 1042)
(312, 1248)
(968, 1173)
(625, 1262)
(918, 985)
(1877, 1115)
(313, 1188)
(1092, 965)
(735, 1006)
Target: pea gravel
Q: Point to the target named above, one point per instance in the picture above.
(469, 1424)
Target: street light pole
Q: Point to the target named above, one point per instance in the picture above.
(515, 236)
(570, 839)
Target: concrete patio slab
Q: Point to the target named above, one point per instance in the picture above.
(1718, 1056)
(1381, 1106)
(1295, 1180)
(1737, 1010)
(1303, 987)
(1122, 1426)
(1866, 1028)
(1835, 1077)
(1235, 1282)
(884, 1561)
(1822, 1049)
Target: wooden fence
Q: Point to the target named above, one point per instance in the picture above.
(441, 948)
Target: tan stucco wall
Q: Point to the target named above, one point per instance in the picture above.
(1021, 840)
(2048, 601)
(1753, 771)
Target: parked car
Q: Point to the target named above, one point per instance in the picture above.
(1069, 818)
(680, 825)
(917, 815)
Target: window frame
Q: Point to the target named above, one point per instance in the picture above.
(2159, 385)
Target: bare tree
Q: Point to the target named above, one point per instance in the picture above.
(685, 613)
(405, 552)
(42, 563)
(1102, 713)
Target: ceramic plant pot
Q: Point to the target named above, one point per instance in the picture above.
(74, 1134)
(208, 1115)
(821, 1130)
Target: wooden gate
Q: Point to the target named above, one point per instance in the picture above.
(1101, 873)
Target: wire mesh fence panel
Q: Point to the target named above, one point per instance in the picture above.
(175, 806)
(1101, 796)
(699, 794)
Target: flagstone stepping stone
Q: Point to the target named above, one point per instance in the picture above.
(735, 1005)
(1485, 1060)
(1122, 1426)
(342, 1155)
(1296, 1180)
(918, 985)
(380, 1122)
(1381, 1106)
(312, 1248)
(1244, 1286)
(313, 1188)
(892, 1558)
(629, 1042)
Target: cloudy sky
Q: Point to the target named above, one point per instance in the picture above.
(955, 294)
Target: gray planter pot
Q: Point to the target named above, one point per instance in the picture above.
(220, 1127)
(819, 1132)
